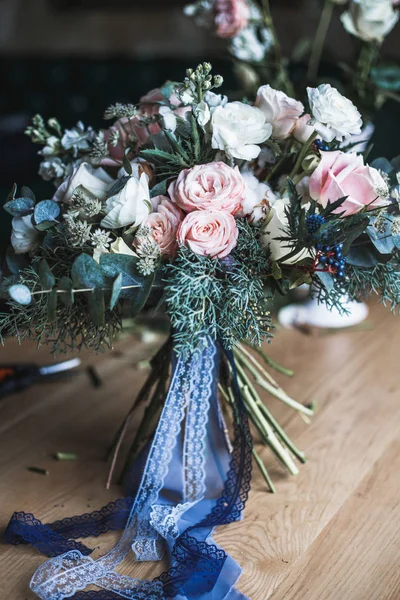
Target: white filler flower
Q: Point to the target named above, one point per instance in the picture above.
(334, 116)
(24, 236)
(238, 128)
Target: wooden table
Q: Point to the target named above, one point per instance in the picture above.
(332, 533)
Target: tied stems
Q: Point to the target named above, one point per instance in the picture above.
(319, 41)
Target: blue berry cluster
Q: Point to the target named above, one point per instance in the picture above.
(332, 257)
(314, 222)
(321, 145)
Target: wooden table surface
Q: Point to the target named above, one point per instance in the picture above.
(331, 533)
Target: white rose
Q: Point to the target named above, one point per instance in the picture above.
(334, 116)
(251, 44)
(277, 226)
(131, 206)
(279, 110)
(238, 128)
(258, 198)
(121, 247)
(203, 113)
(93, 180)
(370, 20)
(24, 236)
(169, 119)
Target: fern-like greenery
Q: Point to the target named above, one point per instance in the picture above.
(221, 298)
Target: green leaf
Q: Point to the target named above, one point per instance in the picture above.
(27, 193)
(362, 257)
(46, 210)
(47, 279)
(382, 164)
(140, 297)
(326, 280)
(86, 273)
(116, 290)
(387, 77)
(383, 242)
(20, 293)
(127, 165)
(97, 306)
(15, 262)
(114, 264)
(160, 189)
(52, 298)
(298, 277)
(67, 297)
(276, 271)
(20, 207)
(118, 186)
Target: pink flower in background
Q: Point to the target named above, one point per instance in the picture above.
(209, 233)
(279, 109)
(164, 225)
(231, 16)
(341, 175)
(214, 185)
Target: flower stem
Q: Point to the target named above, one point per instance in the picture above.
(303, 154)
(319, 40)
(270, 362)
(264, 471)
(364, 65)
(277, 392)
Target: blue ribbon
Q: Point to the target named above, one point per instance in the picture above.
(200, 569)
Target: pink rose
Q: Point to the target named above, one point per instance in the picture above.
(164, 224)
(279, 110)
(339, 175)
(231, 16)
(302, 130)
(214, 185)
(209, 233)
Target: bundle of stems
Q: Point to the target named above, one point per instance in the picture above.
(252, 376)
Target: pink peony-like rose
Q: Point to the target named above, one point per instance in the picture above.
(164, 224)
(214, 185)
(209, 233)
(341, 175)
(279, 109)
(231, 16)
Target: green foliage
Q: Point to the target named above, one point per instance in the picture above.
(382, 279)
(19, 207)
(189, 148)
(221, 298)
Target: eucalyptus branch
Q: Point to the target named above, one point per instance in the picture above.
(92, 289)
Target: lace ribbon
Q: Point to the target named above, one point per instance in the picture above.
(190, 485)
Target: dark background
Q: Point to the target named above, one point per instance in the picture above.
(72, 58)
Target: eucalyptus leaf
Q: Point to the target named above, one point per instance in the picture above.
(382, 164)
(127, 165)
(44, 225)
(97, 306)
(11, 194)
(362, 256)
(67, 296)
(52, 299)
(46, 210)
(383, 242)
(86, 273)
(141, 296)
(387, 77)
(15, 262)
(27, 193)
(20, 293)
(116, 290)
(47, 279)
(114, 264)
(20, 207)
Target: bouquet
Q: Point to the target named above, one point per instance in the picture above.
(209, 208)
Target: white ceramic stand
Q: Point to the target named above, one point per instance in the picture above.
(318, 315)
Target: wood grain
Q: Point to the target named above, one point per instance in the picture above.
(330, 533)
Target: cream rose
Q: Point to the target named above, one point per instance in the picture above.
(213, 185)
(277, 227)
(342, 175)
(130, 206)
(209, 233)
(370, 20)
(279, 109)
(93, 180)
(121, 247)
(164, 224)
(258, 198)
(334, 116)
(238, 128)
(24, 236)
